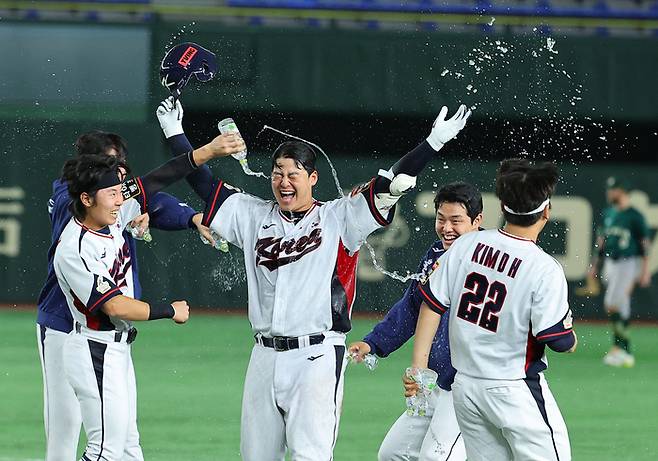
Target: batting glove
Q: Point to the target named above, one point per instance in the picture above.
(170, 116)
(444, 130)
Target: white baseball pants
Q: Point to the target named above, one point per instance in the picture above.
(292, 400)
(102, 375)
(620, 277)
(435, 437)
(61, 410)
(505, 420)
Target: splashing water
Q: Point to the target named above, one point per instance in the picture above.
(550, 43)
(249, 172)
(341, 194)
(331, 165)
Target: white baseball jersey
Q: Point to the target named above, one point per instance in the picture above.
(301, 277)
(506, 298)
(92, 267)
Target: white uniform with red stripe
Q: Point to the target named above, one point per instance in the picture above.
(506, 298)
(93, 267)
(301, 280)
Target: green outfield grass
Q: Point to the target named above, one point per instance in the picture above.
(190, 387)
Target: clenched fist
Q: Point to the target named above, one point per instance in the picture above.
(181, 311)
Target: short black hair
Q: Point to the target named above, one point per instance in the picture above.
(302, 153)
(100, 142)
(523, 186)
(82, 174)
(460, 192)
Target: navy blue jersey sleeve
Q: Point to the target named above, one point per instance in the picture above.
(560, 337)
(58, 209)
(400, 322)
(397, 327)
(201, 180)
(168, 213)
(52, 309)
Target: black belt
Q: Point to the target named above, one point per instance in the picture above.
(286, 343)
(118, 335)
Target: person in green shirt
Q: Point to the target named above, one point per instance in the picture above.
(622, 243)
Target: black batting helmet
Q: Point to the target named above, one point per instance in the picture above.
(183, 61)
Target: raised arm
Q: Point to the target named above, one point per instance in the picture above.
(391, 184)
(170, 116)
(180, 166)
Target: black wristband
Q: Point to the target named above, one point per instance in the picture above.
(161, 311)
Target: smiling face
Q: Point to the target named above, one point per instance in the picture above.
(292, 185)
(103, 207)
(452, 220)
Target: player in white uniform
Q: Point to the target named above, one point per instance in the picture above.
(507, 300)
(300, 257)
(434, 436)
(94, 272)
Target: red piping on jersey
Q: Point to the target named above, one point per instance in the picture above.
(92, 321)
(507, 234)
(91, 308)
(212, 206)
(107, 236)
(373, 209)
(285, 218)
(531, 350)
(431, 300)
(552, 335)
(346, 272)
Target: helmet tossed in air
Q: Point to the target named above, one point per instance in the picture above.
(183, 61)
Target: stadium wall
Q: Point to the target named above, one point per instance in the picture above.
(178, 266)
(106, 78)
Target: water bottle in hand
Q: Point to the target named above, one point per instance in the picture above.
(418, 405)
(220, 243)
(140, 233)
(228, 126)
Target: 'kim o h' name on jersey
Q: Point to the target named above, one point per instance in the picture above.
(301, 275)
(94, 266)
(506, 298)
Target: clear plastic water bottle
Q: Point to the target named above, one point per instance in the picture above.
(228, 126)
(140, 233)
(370, 361)
(220, 243)
(418, 405)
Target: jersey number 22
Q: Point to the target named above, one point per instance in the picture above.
(480, 289)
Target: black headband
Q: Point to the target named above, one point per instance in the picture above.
(109, 179)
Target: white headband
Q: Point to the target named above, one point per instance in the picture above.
(536, 210)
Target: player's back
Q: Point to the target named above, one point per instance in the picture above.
(504, 292)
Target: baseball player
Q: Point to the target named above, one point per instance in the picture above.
(623, 244)
(435, 436)
(93, 268)
(61, 410)
(300, 257)
(506, 300)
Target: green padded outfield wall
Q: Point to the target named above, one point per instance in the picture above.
(66, 89)
(177, 265)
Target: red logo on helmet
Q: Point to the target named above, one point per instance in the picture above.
(187, 56)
